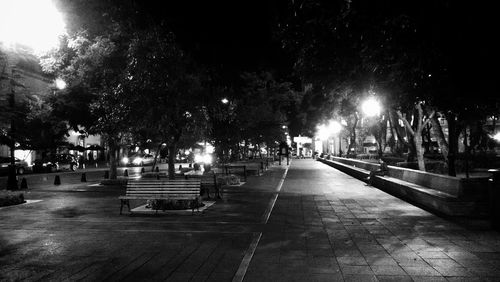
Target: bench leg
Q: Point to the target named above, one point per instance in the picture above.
(124, 202)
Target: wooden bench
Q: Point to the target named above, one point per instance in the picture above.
(152, 189)
(228, 169)
(208, 182)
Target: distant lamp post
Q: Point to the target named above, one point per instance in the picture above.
(371, 107)
(37, 25)
(224, 100)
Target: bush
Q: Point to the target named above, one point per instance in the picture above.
(8, 198)
(174, 204)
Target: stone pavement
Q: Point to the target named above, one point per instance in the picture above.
(306, 223)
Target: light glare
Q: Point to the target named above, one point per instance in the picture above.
(34, 23)
(371, 107)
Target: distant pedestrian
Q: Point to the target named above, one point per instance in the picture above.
(382, 171)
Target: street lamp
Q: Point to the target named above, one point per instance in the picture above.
(224, 100)
(35, 24)
(60, 84)
(371, 107)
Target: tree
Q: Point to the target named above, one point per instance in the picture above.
(169, 85)
(93, 67)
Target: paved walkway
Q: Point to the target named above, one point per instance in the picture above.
(315, 224)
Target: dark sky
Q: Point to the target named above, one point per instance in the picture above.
(232, 35)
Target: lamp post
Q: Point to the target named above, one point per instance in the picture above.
(35, 24)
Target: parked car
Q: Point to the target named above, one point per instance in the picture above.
(5, 162)
(55, 163)
(138, 159)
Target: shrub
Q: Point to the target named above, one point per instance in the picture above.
(8, 198)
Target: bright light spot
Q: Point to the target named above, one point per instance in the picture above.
(324, 131)
(60, 84)
(137, 161)
(371, 107)
(199, 158)
(207, 159)
(125, 160)
(34, 23)
(224, 100)
(284, 126)
(209, 149)
(497, 136)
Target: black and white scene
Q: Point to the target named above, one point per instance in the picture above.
(249, 140)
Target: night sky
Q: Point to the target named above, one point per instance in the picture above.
(231, 36)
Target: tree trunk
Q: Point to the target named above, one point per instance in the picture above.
(417, 133)
(419, 150)
(453, 144)
(171, 161)
(112, 159)
(466, 153)
(437, 130)
(352, 143)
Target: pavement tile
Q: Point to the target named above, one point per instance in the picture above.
(387, 270)
(356, 269)
(352, 261)
(360, 278)
(428, 279)
(420, 270)
(394, 278)
(453, 271)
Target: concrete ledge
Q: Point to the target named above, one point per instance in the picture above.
(431, 199)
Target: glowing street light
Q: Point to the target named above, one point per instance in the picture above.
(497, 136)
(224, 100)
(324, 131)
(371, 107)
(33, 23)
(60, 84)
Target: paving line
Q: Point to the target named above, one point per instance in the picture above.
(267, 213)
(242, 269)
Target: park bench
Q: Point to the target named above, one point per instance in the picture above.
(152, 189)
(208, 182)
(230, 169)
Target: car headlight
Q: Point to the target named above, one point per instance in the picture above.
(125, 160)
(137, 161)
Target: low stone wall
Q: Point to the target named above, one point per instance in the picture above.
(445, 195)
(448, 184)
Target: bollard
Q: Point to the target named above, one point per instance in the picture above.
(125, 173)
(84, 177)
(24, 183)
(180, 167)
(106, 174)
(190, 165)
(158, 176)
(157, 169)
(57, 180)
(143, 170)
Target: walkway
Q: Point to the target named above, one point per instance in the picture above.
(328, 226)
(315, 224)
